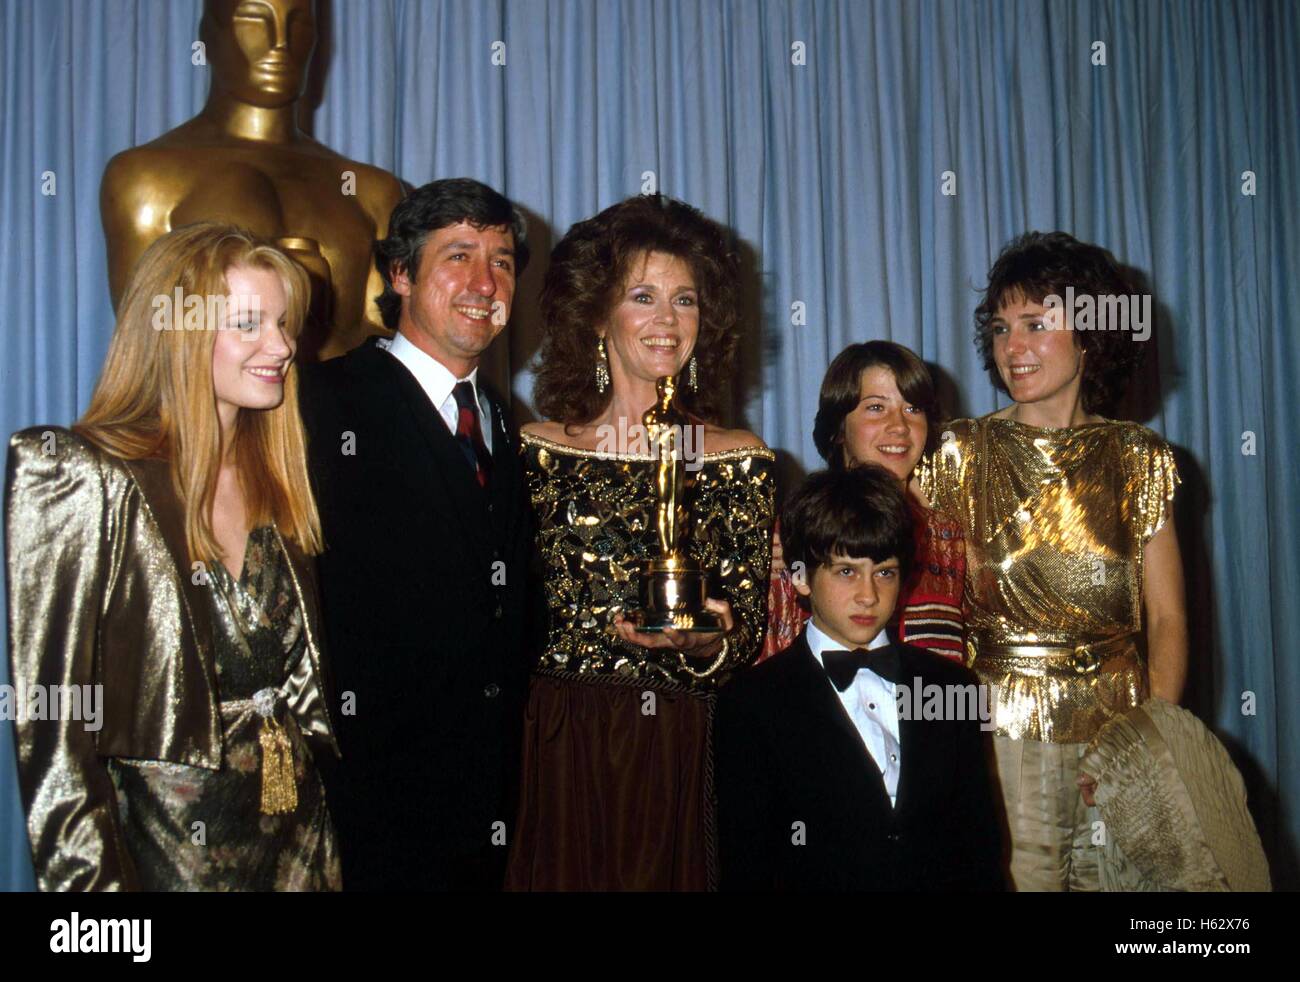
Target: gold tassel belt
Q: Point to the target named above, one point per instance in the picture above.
(279, 784)
(1059, 693)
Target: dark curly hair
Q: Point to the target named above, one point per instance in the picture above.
(1038, 264)
(842, 388)
(436, 205)
(588, 269)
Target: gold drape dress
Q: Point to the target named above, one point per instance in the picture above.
(1055, 522)
(617, 767)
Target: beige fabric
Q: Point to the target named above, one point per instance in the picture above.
(1174, 806)
(1052, 830)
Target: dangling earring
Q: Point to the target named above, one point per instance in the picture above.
(692, 377)
(602, 367)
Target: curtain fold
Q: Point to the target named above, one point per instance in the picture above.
(825, 132)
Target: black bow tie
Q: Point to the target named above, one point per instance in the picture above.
(842, 666)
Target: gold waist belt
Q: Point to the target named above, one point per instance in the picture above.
(1060, 693)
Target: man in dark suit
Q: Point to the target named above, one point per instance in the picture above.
(425, 574)
(828, 776)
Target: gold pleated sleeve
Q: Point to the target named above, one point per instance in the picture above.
(96, 598)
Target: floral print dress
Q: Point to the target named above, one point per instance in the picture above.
(190, 828)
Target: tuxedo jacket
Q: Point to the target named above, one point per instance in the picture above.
(803, 806)
(425, 586)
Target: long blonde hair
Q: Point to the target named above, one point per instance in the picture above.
(155, 395)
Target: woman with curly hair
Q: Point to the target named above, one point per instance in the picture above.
(617, 761)
(1070, 544)
(878, 406)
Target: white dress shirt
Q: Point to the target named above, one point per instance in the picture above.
(438, 384)
(872, 705)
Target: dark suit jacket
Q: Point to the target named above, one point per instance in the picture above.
(425, 583)
(787, 752)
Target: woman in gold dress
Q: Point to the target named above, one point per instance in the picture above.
(617, 764)
(1071, 555)
(158, 559)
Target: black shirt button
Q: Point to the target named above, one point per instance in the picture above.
(497, 613)
(491, 690)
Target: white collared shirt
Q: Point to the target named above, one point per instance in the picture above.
(438, 384)
(872, 705)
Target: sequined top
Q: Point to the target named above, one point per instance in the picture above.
(189, 828)
(1055, 522)
(596, 529)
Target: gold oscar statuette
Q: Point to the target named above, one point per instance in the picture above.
(673, 588)
(245, 160)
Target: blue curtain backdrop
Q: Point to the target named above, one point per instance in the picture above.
(821, 131)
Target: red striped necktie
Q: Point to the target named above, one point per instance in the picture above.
(468, 433)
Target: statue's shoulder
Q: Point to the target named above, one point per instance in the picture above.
(123, 173)
(377, 191)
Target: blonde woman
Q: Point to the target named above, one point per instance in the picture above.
(158, 567)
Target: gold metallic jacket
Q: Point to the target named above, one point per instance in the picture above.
(100, 593)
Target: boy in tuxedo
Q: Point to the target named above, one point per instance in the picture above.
(826, 781)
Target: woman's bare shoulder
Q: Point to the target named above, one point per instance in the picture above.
(719, 440)
(575, 437)
(547, 429)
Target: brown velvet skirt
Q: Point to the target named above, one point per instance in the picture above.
(617, 786)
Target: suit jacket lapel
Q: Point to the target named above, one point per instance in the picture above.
(917, 745)
(824, 705)
(446, 461)
(505, 468)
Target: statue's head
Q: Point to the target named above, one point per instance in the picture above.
(667, 388)
(259, 50)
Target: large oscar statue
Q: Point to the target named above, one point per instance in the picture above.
(673, 587)
(244, 160)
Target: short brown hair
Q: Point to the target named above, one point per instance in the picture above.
(588, 268)
(1038, 264)
(860, 513)
(842, 387)
(437, 205)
